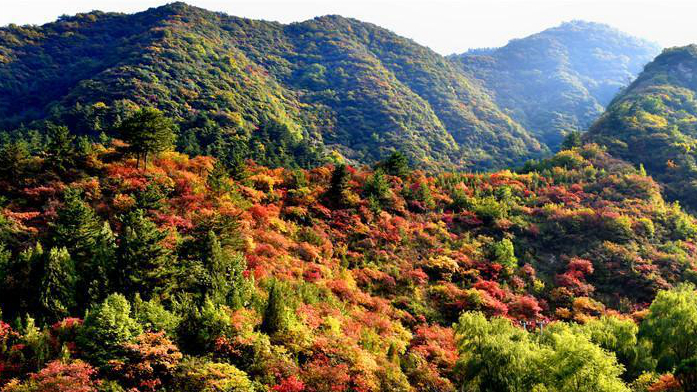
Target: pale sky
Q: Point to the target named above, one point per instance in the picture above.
(446, 26)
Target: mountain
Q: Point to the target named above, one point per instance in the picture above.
(282, 94)
(560, 79)
(654, 123)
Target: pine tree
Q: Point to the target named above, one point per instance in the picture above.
(100, 277)
(201, 326)
(228, 283)
(377, 189)
(57, 295)
(396, 164)
(77, 227)
(89, 243)
(145, 265)
(219, 179)
(339, 192)
(13, 156)
(60, 150)
(147, 131)
(276, 315)
(217, 273)
(573, 139)
(18, 289)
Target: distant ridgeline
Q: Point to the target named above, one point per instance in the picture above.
(561, 79)
(284, 94)
(305, 93)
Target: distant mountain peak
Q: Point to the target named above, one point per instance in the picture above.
(559, 79)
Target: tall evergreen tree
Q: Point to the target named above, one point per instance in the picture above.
(147, 131)
(339, 192)
(228, 284)
(89, 243)
(219, 179)
(13, 156)
(100, 277)
(573, 139)
(18, 289)
(76, 227)
(145, 265)
(377, 189)
(57, 295)
(216, 273)
(60, 150)
(276, 315)
(396, 164)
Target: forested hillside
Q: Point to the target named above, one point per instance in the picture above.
(559, 80)
(125, 268)
(195, 202)
(293, 93)
(653, 123)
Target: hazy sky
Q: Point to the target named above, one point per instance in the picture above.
(446, 26)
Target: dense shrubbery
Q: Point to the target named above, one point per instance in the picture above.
(180, 275)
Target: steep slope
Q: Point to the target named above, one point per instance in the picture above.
(654, 123)
(285, 90)
(561, 79)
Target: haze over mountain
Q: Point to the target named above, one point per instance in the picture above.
(654, 123)
(561, 79)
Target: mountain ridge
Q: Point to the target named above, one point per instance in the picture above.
(355, 87)
(651, 123)
(559, 80)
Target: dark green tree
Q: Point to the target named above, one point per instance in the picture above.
(57, 296)
(13, 157)
(396, 164)
(573, 139)
(228, 284)
(60, 149)
(90, 244)
(377, 189)
(202, 325)
(145, 265)
(147, 131)
(276, 314)
(151, 198)
(76, 227)
(100, 278)
(19, 290)
(216, 274)
(339, 191)
(218, 179)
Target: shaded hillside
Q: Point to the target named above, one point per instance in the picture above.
(561, 79)
(291, 92)
(654, 123)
